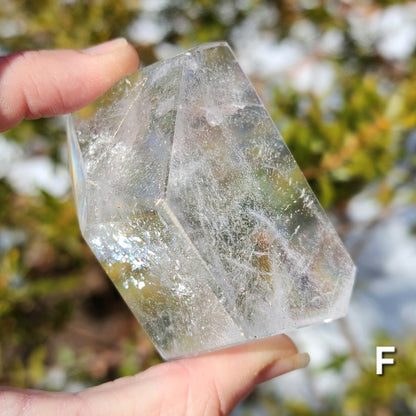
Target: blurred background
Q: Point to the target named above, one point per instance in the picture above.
(339, 80)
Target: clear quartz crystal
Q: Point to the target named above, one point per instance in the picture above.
(193, 204)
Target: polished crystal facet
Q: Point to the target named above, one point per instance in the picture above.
(193, 204)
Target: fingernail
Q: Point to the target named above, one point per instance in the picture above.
(283, 366)
(106, 47)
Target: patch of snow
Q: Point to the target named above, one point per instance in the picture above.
(331, 42)
(391, 30)
(313, 75)
(397, 28)
(10, 152)
(27, 176)
(153, 5)
(363, 209)
(147, 29)
(10, 238)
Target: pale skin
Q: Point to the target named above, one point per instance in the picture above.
(47, 83)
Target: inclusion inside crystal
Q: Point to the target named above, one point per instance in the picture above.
(196, 209)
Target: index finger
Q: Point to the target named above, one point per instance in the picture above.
(36, 84)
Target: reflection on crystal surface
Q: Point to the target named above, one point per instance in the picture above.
(196, 209)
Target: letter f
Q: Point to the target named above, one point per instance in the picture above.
(380, 361)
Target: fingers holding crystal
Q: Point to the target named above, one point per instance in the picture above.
(36, 84)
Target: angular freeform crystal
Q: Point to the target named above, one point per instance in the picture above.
(193, 204)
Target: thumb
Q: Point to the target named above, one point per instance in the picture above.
(37, 84)
(210, 384)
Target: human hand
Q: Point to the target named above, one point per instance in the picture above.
(47, 83)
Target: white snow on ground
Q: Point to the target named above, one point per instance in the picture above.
(27, 175)
(147, 29)
(391, 30)
(302, 59)
(10, 152)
